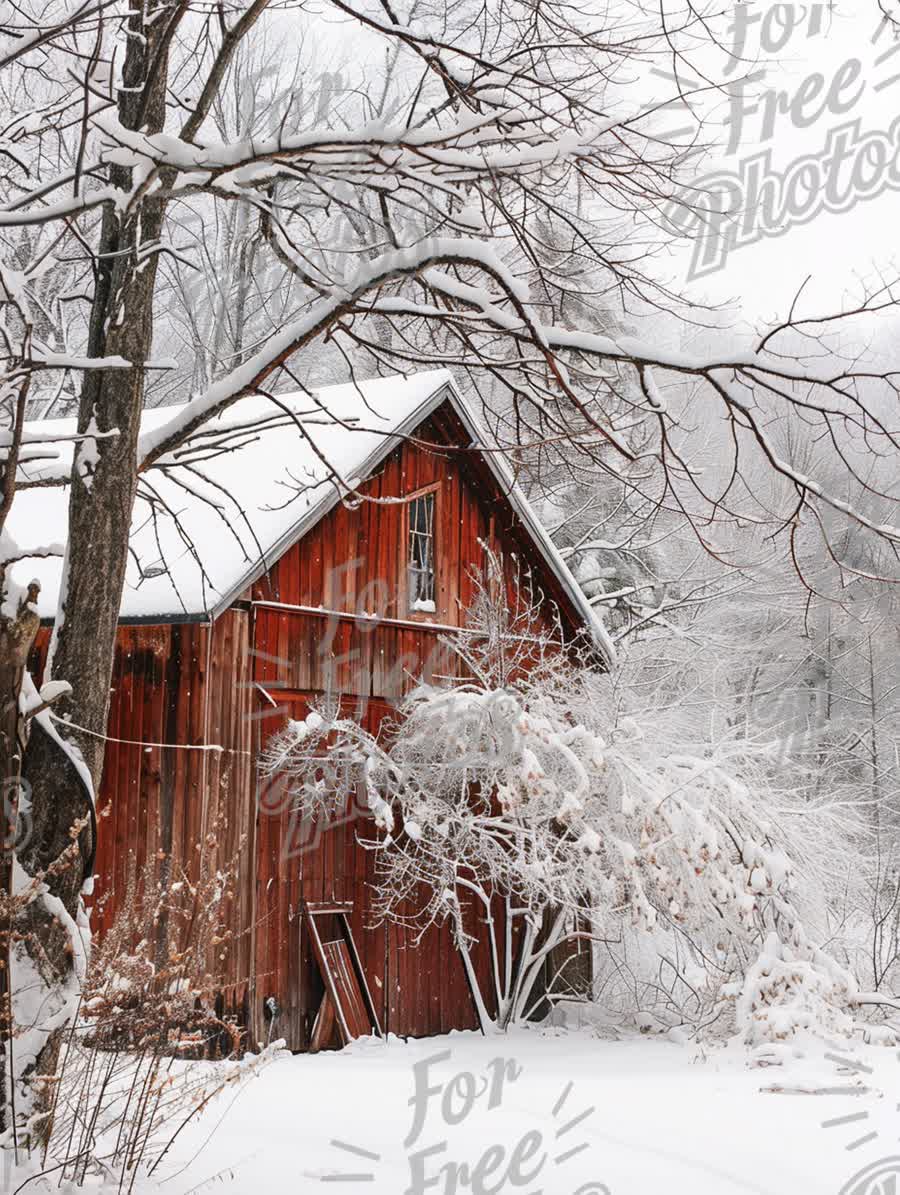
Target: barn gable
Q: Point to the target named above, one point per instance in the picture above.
(354, 558)
(438, 441)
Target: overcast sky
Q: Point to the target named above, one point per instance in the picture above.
(839, 249)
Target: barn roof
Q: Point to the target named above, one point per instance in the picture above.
(224, 509)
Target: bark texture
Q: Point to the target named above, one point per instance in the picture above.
(101, 498)
(105, 474)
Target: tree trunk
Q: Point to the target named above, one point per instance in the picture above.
(16, 638)
(101, 497)
(104, 478)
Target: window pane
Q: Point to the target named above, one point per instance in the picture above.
(421, 552)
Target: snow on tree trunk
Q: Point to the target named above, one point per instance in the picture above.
(16, 637)
(54, 863)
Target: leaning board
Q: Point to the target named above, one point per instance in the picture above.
(347, 1000)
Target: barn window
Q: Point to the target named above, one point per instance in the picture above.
(420, 557)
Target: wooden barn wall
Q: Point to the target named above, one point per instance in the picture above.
(230, 814)
(472, 511)
(168, 806)
(417, 982)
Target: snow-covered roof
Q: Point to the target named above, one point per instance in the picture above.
(222, 518)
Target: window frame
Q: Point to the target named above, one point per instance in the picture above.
(420, 615)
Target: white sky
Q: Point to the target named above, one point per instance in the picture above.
(839, 250)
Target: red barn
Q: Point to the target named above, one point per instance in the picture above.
(320, 543)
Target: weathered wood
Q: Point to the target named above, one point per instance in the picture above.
(324, 1026)
(347, 991)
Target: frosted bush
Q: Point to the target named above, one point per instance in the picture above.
(521, 804)
(793, 991)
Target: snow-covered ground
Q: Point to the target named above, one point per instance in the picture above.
(651, 1116)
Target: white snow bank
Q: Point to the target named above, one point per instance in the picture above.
(657, 1117)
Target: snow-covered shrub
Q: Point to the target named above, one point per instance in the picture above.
(132, 1070)
(119, 1113)
(151, 983)
(526, 793)
(779, 866)
(791, 990)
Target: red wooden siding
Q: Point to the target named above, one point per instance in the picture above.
(472, 511)
(417, 983)
(159, 807)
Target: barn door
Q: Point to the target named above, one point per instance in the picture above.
(346, 1010)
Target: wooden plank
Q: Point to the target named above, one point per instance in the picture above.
(154, 761)
(340, 968)
(112, 840)
(350, 998)
(127, 759)
(328, 977)
(244, 786)
(262, 980)
(146, 788)
(323, 1028)
(128, 756)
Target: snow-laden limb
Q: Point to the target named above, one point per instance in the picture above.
(14, 554)
(741, 389)
(500, 141)
(35, 703)
(250, 375)
(449, 218)
(54, 360)
(65, 209)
